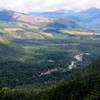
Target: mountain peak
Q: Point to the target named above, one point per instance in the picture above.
(92, 10)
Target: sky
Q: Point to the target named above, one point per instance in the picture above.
(47, 5)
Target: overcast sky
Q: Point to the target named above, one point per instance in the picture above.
(47, 5)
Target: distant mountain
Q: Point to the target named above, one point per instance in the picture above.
(69, 13)
(33, 26)
(20, 25)
(90, 11)
(59, 24)
(86, 15)
(6, 15)
(88, 18)
(58, 13)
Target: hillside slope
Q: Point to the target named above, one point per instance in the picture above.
(15, 25)
(83, 84)
(88, 18)
(9, 51)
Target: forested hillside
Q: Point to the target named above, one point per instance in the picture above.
(83, 84)
(49, 58)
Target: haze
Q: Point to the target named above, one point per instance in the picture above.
(47, 5)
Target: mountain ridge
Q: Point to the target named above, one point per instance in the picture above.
(91, 15)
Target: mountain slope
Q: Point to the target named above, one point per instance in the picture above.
(9, 51)
(88, 18)
(24, 26)
(30, 19)
(83, 84)
(8, 15)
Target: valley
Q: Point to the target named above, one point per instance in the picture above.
(78, 58)
(41, 55)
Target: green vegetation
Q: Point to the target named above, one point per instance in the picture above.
(23, 63)
(83, 84)
(35, 60)
(26, 53)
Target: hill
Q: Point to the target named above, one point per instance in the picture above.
(83, 84)
(25, 26)
(8, 15)
(88, 18)
(9, 51)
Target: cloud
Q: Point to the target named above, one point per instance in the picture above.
(47, 5)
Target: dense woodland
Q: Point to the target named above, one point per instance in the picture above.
(83, 84)
(39, 60)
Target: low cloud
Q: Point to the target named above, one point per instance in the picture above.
(47, 5)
